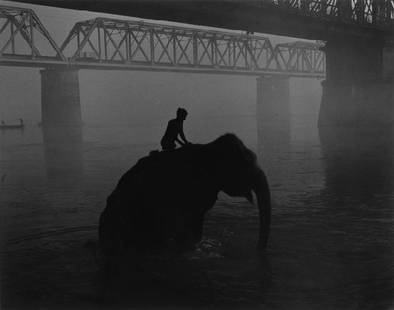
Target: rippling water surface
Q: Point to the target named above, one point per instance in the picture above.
(331, 243)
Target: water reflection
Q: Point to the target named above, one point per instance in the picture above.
(333, 223)
(63, 153)
(332, 228)
(351, 219)
(273, 145)
(358, 162)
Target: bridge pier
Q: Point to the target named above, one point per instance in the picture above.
(356, 92)
(368, 103)
(60, 102)
(273, 114)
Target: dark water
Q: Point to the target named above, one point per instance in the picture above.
(331, 244)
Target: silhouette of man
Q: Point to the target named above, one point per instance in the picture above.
(174, 129)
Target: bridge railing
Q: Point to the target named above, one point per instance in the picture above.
(374, 13)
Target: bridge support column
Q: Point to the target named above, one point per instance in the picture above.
(273, 104)
(60, 103)
(61, 122)
(356, 92)
(362, 104)
(273, 115)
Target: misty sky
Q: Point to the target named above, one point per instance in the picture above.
(135, 96)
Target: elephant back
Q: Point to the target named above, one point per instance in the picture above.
(160, 198)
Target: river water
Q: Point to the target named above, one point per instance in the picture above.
(332, 235)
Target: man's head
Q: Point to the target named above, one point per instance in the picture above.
(181, 114)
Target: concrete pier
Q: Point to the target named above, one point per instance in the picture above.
(358, 90)
(60, 102)
(368, 103)
(273, 115)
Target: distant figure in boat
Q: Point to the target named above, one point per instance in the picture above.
(12, 126)
(174, 132)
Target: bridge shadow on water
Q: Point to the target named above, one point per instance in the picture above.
(63, 151)
(330, 247)
(357, 209)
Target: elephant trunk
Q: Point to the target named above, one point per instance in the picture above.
(262, 192)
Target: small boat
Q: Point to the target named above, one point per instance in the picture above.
(4, 126)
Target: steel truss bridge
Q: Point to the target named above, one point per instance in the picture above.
(373, 13)
(104, 43)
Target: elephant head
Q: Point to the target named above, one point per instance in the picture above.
(166, 195)
(239, 174)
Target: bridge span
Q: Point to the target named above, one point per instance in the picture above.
(114, 44)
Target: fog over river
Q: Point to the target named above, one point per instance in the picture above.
(331, 243)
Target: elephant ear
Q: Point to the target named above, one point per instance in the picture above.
(235, 166)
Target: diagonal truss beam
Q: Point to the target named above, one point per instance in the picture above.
(371, 13)
(24, 25)
(153, 44)
(134, 45)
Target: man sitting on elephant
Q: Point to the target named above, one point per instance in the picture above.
(175, 129)
(164, 198)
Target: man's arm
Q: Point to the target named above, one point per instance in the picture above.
(180, 142)
(182, 135)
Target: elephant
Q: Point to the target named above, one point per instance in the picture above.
(165, 195)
